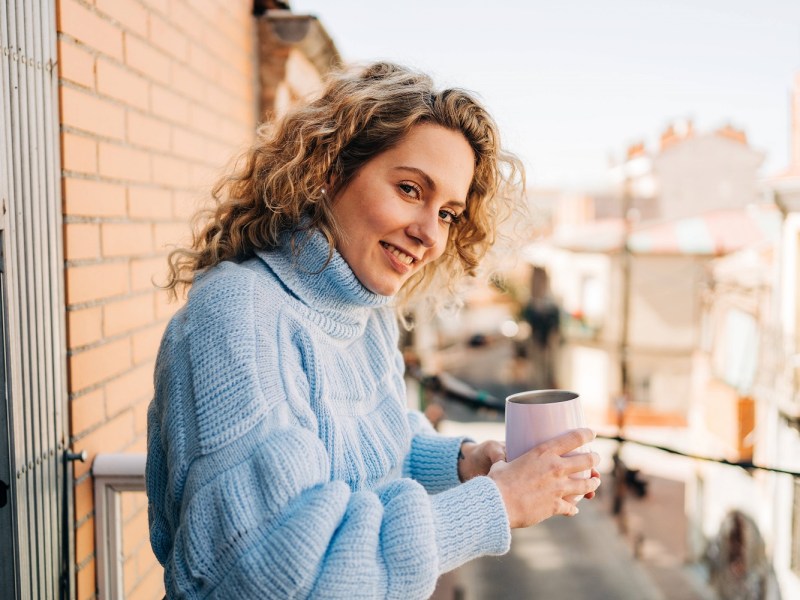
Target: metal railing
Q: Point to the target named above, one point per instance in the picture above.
(113, 474)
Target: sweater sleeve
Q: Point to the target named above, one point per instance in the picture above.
(433, 458)
(242, 504)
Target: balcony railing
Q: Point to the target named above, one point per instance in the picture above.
(113, 474)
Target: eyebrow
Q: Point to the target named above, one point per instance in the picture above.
(428, 181)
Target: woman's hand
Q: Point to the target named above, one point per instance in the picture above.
(538, 484)
(476, 459)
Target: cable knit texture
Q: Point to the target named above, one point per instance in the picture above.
(282, 462)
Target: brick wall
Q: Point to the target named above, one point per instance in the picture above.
(156, 95)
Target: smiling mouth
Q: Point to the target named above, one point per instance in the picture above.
(399, 254)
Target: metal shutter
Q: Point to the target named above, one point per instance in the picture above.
(33, 413)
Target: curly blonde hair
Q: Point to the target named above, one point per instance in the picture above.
(280, 183)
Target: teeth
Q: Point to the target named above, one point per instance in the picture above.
(401, 256)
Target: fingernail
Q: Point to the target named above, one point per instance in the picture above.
(575, 510)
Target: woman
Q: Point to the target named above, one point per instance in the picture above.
(282, 462)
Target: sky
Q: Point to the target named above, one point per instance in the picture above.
(572, 83)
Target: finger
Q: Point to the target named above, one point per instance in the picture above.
(587, 486)
(566, 508)
(575, 488)
(569, 441)
(585, 461)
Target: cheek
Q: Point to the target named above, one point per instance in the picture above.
(441, 247)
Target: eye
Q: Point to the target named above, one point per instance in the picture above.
(410, 189)
(449, 216)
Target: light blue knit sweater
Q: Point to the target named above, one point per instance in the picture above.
(282, 462)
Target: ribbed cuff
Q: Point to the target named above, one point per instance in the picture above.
(433, 461)
(471, 521)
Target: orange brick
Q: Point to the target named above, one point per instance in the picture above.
(160, 6)
(169, 234)
(171, 172)
(86, 583)
(89, 113)
(202, 61)
(184, 17)
(189, 144)
(165, 307)
(96, 282)
(127, 314)
(129, 15)
(218, 154)
(86, 411)
(81, 240)
(90, 28)
(115, 435)
(215, 97)
(97, 364)
(146, 342)
(75, 64)
(121, 162)
(146, 273)
(235, 83)
(84, 498)
(125, 391)
(84, 326)
(149, 203)
(227, 27)
(140, 417)
(134, 534)
(186, 204)
(148, 132)
(131, 503)
(147, 60)
(146, 561)
(203, 176)
(204, 120)
(78, 153)
(169, 39)
(84, 540)
(150, 586)
(123, 85)
(237, 132)
(126, 239)
(86, 197)
(165, 103)
(129, 575)
(139, 444)
(185, 81)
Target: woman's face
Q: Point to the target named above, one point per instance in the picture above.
(396, 212)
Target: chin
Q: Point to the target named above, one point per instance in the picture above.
(384, 288)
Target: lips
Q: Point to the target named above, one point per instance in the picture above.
(401, 256)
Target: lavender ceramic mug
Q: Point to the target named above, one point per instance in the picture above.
(537, 416)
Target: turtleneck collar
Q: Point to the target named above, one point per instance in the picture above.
(331, 290)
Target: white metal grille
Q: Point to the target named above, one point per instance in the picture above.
(33, 301)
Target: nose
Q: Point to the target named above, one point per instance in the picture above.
(425, 229)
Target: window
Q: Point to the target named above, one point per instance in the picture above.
(736, 352)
